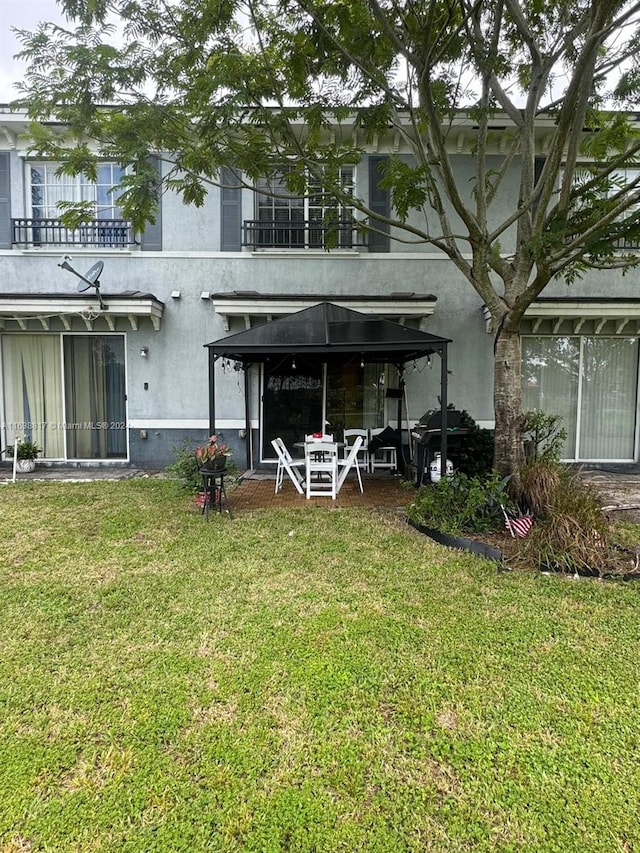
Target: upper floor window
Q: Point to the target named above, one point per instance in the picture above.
(44, 226)
(618, 180)
(48, 189)
(314, 220)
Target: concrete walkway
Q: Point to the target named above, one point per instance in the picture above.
(74, 473)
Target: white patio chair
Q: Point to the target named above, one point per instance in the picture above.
(288, 464)
(351, 461)
(384, 457)
(349, 439)
(321, 468)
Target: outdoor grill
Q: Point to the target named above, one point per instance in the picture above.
(428, 428)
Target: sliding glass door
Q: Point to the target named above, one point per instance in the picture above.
(94, 374)
(67, 393)
(291, 405)
(592, 383)
(33, 399)
(313, 396)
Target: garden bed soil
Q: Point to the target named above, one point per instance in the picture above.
(500, 547)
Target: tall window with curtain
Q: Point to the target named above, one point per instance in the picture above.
(591, 382)
(286, 220)
(49, 188)
(33, 391)
(94, 372)
(66, 393)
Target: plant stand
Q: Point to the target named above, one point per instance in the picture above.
(215, 494)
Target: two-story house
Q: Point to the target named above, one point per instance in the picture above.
(119, 372)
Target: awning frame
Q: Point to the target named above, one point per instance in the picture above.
(264, 343)
(19, 308)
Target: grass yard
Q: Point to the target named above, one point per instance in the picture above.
(309, 680)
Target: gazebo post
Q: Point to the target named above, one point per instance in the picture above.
(212, 391)
(443, 410)
(247, 416)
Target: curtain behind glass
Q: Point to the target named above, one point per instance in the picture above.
(608, 405)
(95, 396)
(33, 391)
(550, 376)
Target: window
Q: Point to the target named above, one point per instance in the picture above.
(47, 189)
(591, 382)
(617, 180)
(44, 226)
(70, 399)
(313, 221)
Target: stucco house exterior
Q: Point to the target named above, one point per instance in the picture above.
(120, 375)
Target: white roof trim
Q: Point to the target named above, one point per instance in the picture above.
(396, 309)
(21, 308)
(577, 312)
(592, 309)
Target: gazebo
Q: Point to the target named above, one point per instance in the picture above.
(332, 334)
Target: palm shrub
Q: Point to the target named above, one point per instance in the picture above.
(538, 479)
(571, 533)
(538, 484)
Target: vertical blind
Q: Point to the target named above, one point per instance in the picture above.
(591, 382)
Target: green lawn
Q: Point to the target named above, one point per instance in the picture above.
(310, 680)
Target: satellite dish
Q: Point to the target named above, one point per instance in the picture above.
(90, 278)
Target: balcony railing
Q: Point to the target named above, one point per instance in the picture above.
(106, 233)
(272, 234)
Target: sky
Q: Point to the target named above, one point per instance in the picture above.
(24, 14)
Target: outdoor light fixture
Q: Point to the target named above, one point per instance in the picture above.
(144, 351)
(293, 363)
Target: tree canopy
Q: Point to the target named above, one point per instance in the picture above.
(308, 84)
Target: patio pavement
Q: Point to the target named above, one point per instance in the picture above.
(259, 493)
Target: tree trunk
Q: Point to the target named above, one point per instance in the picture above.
(507, 400)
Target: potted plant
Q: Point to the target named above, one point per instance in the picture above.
(213, 455)
(26, 455)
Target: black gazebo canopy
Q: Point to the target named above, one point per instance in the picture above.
(329, 333)
(329, 330)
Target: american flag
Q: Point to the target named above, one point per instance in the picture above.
(519, 526)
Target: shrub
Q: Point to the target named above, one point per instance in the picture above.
(27, 449)
(461, 504)
(572, 535)
(543, 436)
(475, 458)
(184, 467)
(538, 484)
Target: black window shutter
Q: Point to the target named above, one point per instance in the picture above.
(151, 240)
(379, 202)
(5, 201)
(538, 166)
(230, 212)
